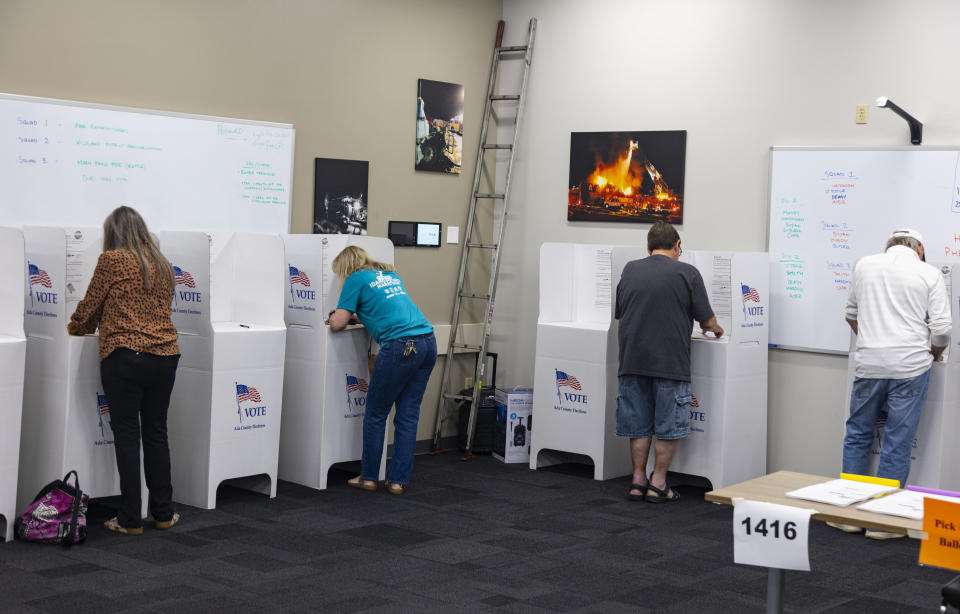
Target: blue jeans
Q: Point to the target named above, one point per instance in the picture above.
(400, 379)
(904, 399)
(653, 405)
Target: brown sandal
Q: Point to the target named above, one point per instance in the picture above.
(114, 525)
(163, 525)
(359, 482)
(393, 489)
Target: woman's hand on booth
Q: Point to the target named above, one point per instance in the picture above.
(338, 319)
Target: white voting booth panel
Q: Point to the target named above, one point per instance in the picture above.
(225, 410)
(13, 347)
(66, 422)
(326, 377)
(575, 373)
(728, 415)
(935, 456)
(727, 443)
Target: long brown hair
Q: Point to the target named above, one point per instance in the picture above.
(352, 259)
(125, 229)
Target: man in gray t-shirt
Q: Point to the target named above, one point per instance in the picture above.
(658, 298)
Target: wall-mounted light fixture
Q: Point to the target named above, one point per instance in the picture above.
(916, 128)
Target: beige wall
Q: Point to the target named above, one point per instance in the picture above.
(739, 76)
(343, 72)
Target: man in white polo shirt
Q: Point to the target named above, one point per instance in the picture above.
(900, 312)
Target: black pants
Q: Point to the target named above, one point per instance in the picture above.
(138, 386)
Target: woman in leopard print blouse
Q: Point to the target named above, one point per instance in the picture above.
(129, 300)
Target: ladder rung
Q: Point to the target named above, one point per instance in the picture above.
(505, 97)
(483, 245)
(479, 195)
(457, 397)
(471, 295)
(511, 49)
(497, 146)
(467, 346)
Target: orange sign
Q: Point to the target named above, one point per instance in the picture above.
(941, 523)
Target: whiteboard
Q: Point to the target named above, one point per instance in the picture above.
(831, 206)
(69, 163)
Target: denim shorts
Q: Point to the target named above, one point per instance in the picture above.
(653, 406)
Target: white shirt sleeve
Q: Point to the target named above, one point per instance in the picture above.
(852, 298)
(938, 312)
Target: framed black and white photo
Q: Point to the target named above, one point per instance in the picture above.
(340, 196)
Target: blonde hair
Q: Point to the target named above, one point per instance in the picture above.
(352, 259)
(125, 229)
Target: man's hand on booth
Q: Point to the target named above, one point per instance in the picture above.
(711, 326)
(937, 351)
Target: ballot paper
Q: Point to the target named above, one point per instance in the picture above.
(840, 492)
(906, 503)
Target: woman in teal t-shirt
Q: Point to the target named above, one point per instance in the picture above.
(408, 350)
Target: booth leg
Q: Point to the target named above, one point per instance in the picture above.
(264, 484)
(598, 468)
(324, 476)
(211, 503)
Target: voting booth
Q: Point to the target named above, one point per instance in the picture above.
(225, 410)
(575, 373)
(326, 377)
(66, 424)
(13, 347)
(935, 456)
(577, 361)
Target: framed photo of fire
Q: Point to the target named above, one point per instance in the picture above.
(627, 176)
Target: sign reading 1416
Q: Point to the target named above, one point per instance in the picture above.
(759, 526)
(771, 535)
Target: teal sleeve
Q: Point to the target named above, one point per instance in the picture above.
(350, 293)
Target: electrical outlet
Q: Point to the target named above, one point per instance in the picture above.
(862, 113)
(468, 382)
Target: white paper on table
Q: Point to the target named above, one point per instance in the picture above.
(840, 492)
(906, 503)
(771, 535)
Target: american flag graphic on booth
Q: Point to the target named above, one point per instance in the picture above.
(247, 393)
(103, 409)
(563, 379)
(355, 384)
(298, 276)
(181, 277)
(749, 294)
(693, 401)
(38, 276)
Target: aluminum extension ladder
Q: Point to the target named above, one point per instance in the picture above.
(472, 241)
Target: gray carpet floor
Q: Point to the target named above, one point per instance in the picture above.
(466, 537)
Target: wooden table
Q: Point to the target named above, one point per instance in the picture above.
(772, 488)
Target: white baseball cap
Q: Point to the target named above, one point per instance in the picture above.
(909, 233)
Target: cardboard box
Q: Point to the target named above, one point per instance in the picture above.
(511, 444)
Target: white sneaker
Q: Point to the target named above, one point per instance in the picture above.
(883, 535)
(846, 528)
